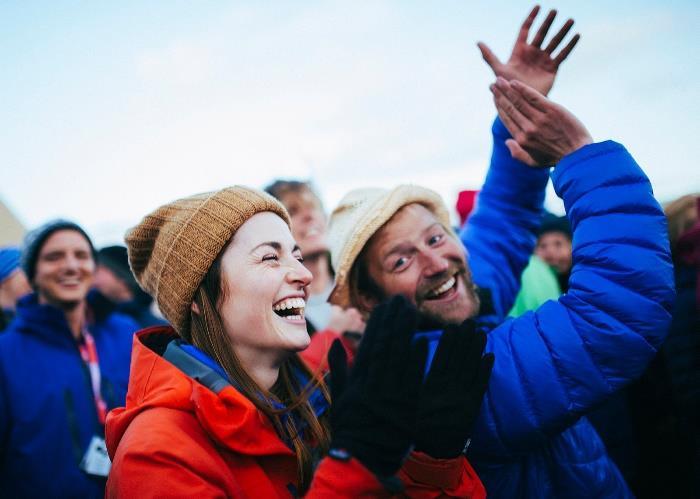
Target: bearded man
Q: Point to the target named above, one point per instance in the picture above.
(556, 363)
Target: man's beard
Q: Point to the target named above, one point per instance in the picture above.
(457, 269)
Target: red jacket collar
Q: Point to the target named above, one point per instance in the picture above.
(228, 417)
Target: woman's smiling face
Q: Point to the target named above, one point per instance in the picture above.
(264, 290)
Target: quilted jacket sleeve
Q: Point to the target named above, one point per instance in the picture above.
(500, 235)
(554, 364)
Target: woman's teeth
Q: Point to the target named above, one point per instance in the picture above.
(446, 286)
(291, 308)
(289, 303)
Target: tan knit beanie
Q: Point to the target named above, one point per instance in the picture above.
(360, 214)
(171, 250)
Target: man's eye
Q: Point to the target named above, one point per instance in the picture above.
(400, 262)
(435, 239)
(268, 258)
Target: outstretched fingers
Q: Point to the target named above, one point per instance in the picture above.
(488, 55)
(527, 24)
(542, 32)
(561, 56)
(556, 40)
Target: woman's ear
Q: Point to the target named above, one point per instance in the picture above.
(195, 308)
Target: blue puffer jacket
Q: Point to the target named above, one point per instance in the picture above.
(555, 364)
(47, 409)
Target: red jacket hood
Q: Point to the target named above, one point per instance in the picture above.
(229, 418)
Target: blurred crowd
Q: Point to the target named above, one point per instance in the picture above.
(249, 343)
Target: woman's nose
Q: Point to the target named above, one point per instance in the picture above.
(299, 274)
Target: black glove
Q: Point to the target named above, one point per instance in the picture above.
(374, 408)
(454, 388)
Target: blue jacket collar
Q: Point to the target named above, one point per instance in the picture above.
(44, 321)
(48, 322)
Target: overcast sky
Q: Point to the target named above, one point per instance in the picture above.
(110, 109)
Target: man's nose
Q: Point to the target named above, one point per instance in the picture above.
(71, 262)
(434, 263)
(307, 215)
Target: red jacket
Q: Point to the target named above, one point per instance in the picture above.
(178, 438)
(316, 354)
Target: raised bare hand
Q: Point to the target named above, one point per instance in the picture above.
(348, 319)
(529, 63)
(543, 131)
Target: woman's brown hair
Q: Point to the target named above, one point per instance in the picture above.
(208, 334)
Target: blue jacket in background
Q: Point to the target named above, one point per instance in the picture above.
(554, 364)
(47, 409)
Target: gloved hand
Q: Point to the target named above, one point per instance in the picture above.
(452, 393)
(374, 407)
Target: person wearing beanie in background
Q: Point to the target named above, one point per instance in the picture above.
(113, 278)
(556, 363)
(554, 247)
(547, 273)
(220, 404)
(13, 284)
(324, 321)
(62, 368)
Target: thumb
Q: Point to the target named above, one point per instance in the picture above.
(488, 56)
(519, 153)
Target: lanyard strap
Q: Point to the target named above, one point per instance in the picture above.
(88, 352)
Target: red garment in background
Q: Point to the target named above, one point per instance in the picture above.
(466, 201)
(316, 354)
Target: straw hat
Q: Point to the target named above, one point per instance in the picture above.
(360, 214)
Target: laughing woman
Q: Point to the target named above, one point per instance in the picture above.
(220, 405)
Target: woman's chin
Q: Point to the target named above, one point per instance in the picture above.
(302, 343)
(295, 337)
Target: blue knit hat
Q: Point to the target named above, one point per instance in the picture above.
(36, 238)
(553, 223)
(9, 261)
